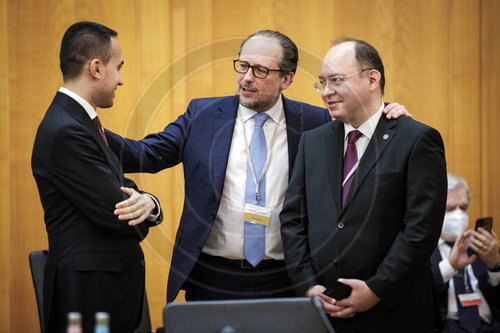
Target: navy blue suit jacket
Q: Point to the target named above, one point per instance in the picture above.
(492, 294)
(201, 139)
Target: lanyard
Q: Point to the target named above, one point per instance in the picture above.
(249, 159)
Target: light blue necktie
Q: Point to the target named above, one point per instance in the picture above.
(254, 243)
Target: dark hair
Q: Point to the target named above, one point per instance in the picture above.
(367, 57)
(81, 42)
(290, 54)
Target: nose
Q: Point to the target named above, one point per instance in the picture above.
(248, 76)
(120, 81)
(328, 89)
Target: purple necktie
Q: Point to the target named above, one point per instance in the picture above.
(350, 159)
(97, 123)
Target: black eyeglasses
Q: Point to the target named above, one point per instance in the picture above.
(258, 71)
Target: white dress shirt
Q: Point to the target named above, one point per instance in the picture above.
(447, 272)
(88, 108)
(226, 236)
(367, 129)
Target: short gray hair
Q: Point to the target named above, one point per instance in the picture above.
(456, 182)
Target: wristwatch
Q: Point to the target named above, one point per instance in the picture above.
(495, 269)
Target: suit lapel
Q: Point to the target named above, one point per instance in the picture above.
(79, 114)
(479, 268)
(383, 135)
(223, 126)
(294, 128)
(108, 153)
(334, 151)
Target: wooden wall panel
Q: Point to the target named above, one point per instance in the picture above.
(440, 59)
(5, 216)
(490, 117)
(462, 127)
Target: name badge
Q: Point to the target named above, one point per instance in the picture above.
(257, 214)
(470, 299)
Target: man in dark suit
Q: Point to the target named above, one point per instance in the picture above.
(467, 284)
(211, 140)
(95, 218)
(369, 218)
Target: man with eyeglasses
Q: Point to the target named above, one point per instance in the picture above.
(365, 203)
(228, 244)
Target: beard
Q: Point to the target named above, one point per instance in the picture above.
(258, 105)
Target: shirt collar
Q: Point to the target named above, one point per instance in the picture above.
(88, 108)
(275, 112)
(368, 127)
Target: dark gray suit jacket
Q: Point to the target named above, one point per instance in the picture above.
(386, 231)
(95, 262)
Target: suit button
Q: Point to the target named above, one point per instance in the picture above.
(335, 263)
(212, 216)
(340, 225)
(143, 263)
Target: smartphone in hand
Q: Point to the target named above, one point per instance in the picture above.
(338, 291)
(484, 222)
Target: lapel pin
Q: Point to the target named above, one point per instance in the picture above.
(385, 137)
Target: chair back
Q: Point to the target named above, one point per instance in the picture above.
(37, 264)
(145, 324)
(37, 261)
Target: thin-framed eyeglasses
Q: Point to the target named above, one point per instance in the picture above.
(258, 71)
(335, 81)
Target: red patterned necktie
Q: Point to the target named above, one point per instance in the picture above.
(97, 123)
(350, 159)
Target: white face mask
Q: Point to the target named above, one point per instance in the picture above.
(454, 224)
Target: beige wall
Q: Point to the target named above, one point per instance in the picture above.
(441, 59)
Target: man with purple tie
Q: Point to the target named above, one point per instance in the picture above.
(365, 203)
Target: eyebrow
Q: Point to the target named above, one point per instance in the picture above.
(330, 75)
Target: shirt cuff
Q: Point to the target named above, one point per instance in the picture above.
(447, 270)
(493, 278)
(153, 218)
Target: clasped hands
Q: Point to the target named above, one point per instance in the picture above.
(136, 208)
(361, 299)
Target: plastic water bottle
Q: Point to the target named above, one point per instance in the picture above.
(101, 322)
(74, 322)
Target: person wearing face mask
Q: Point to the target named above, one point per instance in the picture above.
(466, 269)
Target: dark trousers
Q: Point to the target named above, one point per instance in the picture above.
(217, 278)
(453, 326)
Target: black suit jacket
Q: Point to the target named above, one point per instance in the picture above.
(200, 139)
(492, 294)
(95, 262)
(385, 232)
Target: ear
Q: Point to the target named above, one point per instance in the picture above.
(286, 80)
(96, 68)
(374, 79)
